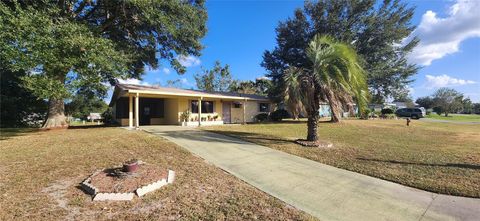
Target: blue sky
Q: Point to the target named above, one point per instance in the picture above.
(240, 31)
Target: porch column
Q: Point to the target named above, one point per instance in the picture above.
(130, 111)
(200, 111)
(137, 101)
(244, 112)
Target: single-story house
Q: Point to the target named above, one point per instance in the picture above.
(136, 105)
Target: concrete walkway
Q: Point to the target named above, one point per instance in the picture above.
(326, 192)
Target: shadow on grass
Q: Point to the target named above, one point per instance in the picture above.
(290, 122)
(91, 126)
(7, 133)
(256, 138)
(455, 165)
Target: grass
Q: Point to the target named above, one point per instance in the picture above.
(41, 172)
(437, 157)
(456, 117)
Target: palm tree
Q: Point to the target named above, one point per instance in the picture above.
(293, 96)
(335, 75)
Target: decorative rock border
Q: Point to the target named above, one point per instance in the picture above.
(141, 191)
(113, 196)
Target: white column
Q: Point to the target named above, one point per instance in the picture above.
(244, 106)
(130, 111)
(137, 101)
(200, 111)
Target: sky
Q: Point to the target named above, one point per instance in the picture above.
(240, 31)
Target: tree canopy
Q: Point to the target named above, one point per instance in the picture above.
(376, 32)
(18, 107)
(66, 45)
(260, 86)
(83, 103)
(216, 79)
(447, 100)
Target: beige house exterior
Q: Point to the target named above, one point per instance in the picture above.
(136, 105)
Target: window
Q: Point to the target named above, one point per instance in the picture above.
(237, 105)
(264, 107)
(207, 107)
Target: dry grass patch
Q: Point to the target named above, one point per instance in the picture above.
(41, 172)
(438, 157)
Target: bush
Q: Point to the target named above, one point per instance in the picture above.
(261, 117)
(279, 115)
(387, 111)
(365, 114)
(108, 117)
(390, 116)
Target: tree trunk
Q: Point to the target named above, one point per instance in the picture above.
(56, 114)
(313, 117)
(446, 114)
(312, 124)
(335, 107)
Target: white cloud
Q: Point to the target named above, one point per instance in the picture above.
(132, 81)
(185, 82)
(166, 70)
(445, 81)
(442, 36)
(188, 61)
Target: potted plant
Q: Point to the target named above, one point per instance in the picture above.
(185, 116)
(130, 166)
(215, 117)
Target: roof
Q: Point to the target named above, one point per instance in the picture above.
(147, 89)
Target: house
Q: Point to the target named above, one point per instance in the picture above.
(136, 105)
(94, 116)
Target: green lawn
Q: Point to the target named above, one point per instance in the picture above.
(456, 117)
(41, 172)
(438, 157)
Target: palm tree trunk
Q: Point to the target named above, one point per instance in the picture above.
(335, 106)
(312, 124)
(313, 117)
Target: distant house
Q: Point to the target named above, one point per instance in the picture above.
(94, 116)
(135, 105)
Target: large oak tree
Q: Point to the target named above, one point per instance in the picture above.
(69, 44)
(375, 30)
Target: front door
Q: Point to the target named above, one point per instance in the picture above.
(226, 111)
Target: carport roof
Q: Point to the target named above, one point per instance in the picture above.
(147, 89)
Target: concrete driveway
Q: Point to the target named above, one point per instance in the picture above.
(324, 191)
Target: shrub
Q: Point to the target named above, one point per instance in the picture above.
(261, 117)
(108, 117)
(387, 111)
(365, 114)
(279, 115)
(390, 116)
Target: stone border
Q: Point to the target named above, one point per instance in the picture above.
(113, 196)
(141, 191)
